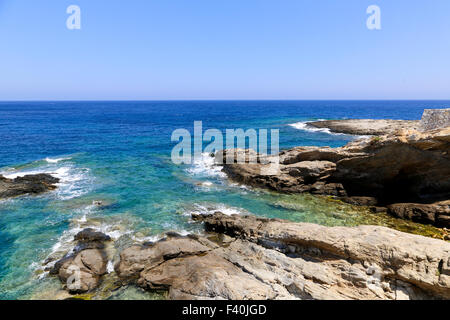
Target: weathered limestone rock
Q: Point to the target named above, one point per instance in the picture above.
(365, 126)
(84, 269)
(276, 259)
(433, 119)
(80, 271)
(415, 260)
(134, 259)
(29, 184)
(436, 213)
(406, 167)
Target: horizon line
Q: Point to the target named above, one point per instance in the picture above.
(206, 100)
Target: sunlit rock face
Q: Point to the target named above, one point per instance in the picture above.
(433, 119)
(408, 166)
(258, 258)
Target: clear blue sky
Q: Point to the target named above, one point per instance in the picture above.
(224, 49)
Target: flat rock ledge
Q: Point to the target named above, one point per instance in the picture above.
(29, 184)
(366, 126)
(246, 257)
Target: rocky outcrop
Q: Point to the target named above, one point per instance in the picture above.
(258, 258)
(433, 119)
(29, 184)
(365, 126)
(80, 271)
(437, 213)
(406, 167)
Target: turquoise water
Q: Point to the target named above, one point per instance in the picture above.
(119, 153)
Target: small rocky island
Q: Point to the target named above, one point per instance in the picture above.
(28, 184)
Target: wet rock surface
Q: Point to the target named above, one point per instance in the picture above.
(275, 259)
(29, 184)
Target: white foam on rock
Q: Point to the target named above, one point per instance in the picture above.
(111, 226)
(305, 126)
(74, 181)
(210, 208)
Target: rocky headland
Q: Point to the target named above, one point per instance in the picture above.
(406, 173)
(28, 184)
(365, 126)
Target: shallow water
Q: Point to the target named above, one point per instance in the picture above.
(119, 153)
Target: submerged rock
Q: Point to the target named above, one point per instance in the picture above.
(276, 259)
(89, 234)
(29, 184)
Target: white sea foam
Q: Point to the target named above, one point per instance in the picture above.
(110, 267)
(156, 238)
(74, 181)
(205, 166)
(115, 228)
(210, 208)
(147, 238)
(243, 187)
(305, 126)
(10, 174)
(56, 160)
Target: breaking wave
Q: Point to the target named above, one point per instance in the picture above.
(305, 126)
(74, 181)
(206, 167)
(210, 208)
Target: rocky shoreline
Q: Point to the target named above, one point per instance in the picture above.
(29, 184)
(366, 126)
(248, 257)
(406, 174)
(81, 270)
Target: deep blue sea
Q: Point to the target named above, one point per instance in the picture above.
(119, 153)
